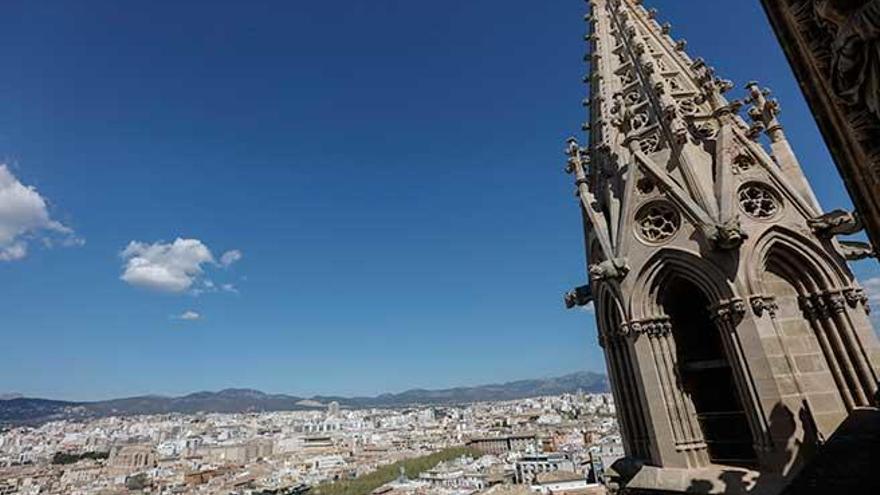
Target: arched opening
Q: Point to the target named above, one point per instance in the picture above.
(705, 375)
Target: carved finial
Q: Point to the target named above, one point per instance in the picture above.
(573, 152)
(572, 147)
(763, 112)
(666, 28)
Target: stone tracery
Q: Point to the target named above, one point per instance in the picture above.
(758, 201)
(657, 222)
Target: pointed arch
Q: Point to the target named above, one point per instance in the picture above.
(686, 304)
(808, 284)
(805, 264)
(670, 263)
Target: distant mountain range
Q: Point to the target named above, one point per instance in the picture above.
(23, 410)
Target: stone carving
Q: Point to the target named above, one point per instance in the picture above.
(743, 163)
(834, 49)
(836, 302)
(580, 296)
(730, 311)
(855, 296)
(660, 328)
(764, 112)
(757, 201)
(703, 131)
(652, 327)
(808, 307)
(657, 222)
(621, 113)
(650, 143)
(665, 134)
(855, 251)
(837, 222)
(855, 63)
(687, 106)
(823, 305)
(728, 235)
(608, 270)
(762, 304)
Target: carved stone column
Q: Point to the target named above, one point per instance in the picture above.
(821, 316)
(836, 302)
(727, 316)
(687, 435)
(624, 412)
(621, 362)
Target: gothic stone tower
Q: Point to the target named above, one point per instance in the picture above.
(736, 337)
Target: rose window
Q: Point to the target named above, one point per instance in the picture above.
(758, 201)
(657, 222)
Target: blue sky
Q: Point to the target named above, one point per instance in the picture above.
(369, 195)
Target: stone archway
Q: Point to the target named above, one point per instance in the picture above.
(678, 292)
(705, 374)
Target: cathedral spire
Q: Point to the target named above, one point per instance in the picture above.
(658, 116)
(723, 300)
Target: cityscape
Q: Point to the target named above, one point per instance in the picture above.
(549, 444)
(365, 209)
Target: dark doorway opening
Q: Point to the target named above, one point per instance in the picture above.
(705, 375)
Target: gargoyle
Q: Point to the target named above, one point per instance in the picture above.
(609, 269)
(837, 222)
(855, 251)
(728, 235)
(580, 296)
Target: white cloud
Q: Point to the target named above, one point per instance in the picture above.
(230, 257)
(190, 315)
(229, 288)
(173, 267)
(24, 216)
